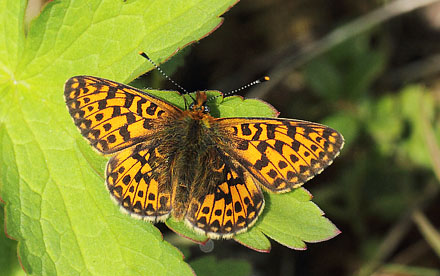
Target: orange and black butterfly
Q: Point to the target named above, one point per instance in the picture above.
(207, 171)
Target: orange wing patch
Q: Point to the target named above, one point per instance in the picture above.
(135, 182)
(282, 154)
(113, 116)
(230, 209)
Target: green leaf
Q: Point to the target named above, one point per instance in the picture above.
(396, 123)
(417, 105)
(181, 229)
(294, 219)
(52, 183)
(209, 266)
(11, 37)
(8, 252)
(254, 239)
(385, 123)
(236, 106)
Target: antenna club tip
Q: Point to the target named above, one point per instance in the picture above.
(263, 79)
(143, 54)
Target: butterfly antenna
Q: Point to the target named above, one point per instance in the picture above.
(165, 75)
(261, 80)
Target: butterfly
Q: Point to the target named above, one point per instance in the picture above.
(209, 172)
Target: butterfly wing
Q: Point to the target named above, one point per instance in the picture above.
(233, 204)
(114, 116)
(281, 153)
(136, 178)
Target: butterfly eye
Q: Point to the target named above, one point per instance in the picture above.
(191, 106)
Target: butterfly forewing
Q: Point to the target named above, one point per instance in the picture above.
(114, 116)
(281, 153)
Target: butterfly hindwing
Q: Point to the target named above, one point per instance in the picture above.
(113, 116)
(281, 153)
(230, 208)
(135, 179)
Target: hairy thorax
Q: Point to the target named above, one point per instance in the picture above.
(193, 159)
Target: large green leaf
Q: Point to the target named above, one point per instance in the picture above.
(51, 181)
(296, 220)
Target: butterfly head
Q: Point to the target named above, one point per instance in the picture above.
(199, 104)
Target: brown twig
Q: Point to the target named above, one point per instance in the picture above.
(414, 71)
(431, 235)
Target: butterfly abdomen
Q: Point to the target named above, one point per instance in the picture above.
(191, 163)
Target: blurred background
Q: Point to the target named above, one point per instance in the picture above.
(371, 70)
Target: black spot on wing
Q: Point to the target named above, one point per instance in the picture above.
(128, 100)
(151, 109)
(111, 92)
(271, 131)
(139, 106)
(124, 133)
(116, 111)
(257, 133)
(245, 129)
